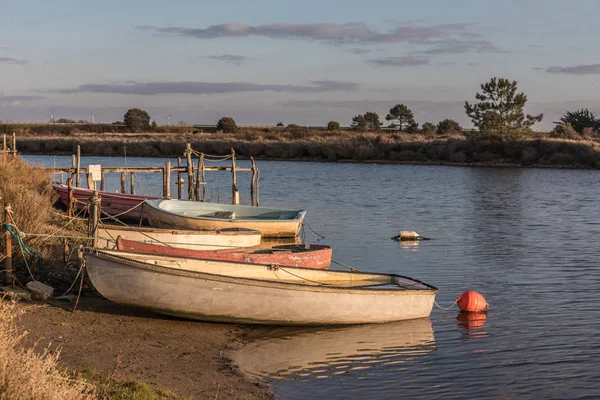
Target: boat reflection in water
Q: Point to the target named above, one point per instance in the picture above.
(314, 353)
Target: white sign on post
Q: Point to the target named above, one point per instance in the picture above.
(95, 171)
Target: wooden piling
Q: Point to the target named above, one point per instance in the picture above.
(94, 217)
(90, 181)
(179, 183)
(190, 171)
(235, 193)
(167, 180)
(123, 174)
(252, 196)
(257, 187)
(4, 146)
(70, 199)
(203, 179)
(8, 279)
(132, 182)
(199, 171)
(14, 145)
(102, 181)
(78, 166)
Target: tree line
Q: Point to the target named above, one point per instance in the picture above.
(498, 114)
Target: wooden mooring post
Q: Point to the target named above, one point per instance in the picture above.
(123, 175)
(8, 261)
(14, 145)
(90, 181)
(179, 183)
(235, 193)
(167, 180)
(252, 182)
(94, 219)
(190, 171)
(70, 198)
(78, 166)
(132, 183)
(199, 173)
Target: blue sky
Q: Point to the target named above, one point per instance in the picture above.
(307, 62)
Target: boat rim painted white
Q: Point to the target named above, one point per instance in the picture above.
(372, 288)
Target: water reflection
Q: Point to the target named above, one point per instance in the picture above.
(473, 323)
(410, 245)
(316, 353)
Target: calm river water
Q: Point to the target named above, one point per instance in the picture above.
(524, 238)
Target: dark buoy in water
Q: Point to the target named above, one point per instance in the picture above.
(471, 301)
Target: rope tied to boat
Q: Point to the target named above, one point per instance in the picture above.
(352, 269)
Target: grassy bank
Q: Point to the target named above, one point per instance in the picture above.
(305, 144)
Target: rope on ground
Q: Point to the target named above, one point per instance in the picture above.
(445, 308)
(352, 269)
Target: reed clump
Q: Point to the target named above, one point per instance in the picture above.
(25, 374)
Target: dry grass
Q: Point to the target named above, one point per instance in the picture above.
(29, 192)
(26, 375)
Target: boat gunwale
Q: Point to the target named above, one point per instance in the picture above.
(216, 232)
(432, 290)
(300, 214)
(102, 193)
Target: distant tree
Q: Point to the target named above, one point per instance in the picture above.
(333, 126)
(118, 123)
(580, 120)
(429, 128)
(279, 124)
(499, 113)
(372, 120)
(136, 120)
(154, 125)
(564, 131)
(359, 123)
(402, 117)
(83, 121)
(448, 126)
(182, 122)
(65, 121)
(227, 125)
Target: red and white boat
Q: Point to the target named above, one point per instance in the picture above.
(291, 255)
(121, 205)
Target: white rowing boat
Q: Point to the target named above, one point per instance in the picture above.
(257, 294)
(182, 239)
(178, 214)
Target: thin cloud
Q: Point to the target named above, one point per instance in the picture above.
(349, 33)
(459, 46)
(404, 61)
(15, 100)
(10, 60)
(358, 50)
(590, 69)
(157, 88)
(229, 58)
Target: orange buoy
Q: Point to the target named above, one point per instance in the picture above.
(471, 301)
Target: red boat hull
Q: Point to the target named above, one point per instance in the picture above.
(294, 255)
(116, 204)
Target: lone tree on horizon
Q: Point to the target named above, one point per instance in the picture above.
(404, 117)
(136, 120)
(499, 114)
(227, 125)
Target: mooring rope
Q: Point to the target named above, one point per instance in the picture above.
(445, 308)
(352, 269)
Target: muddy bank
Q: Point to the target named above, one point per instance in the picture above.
(122, 343)
(348, 147)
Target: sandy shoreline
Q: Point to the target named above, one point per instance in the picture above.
(129, 344)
